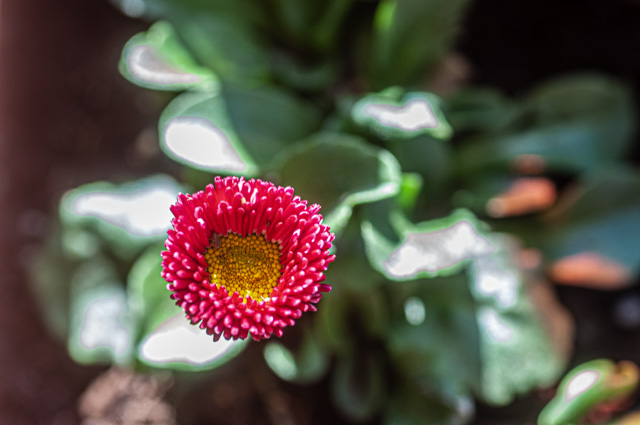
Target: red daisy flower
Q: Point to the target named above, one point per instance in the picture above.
(246, 257)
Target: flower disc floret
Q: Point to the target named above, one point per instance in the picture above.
(246, 257)
(249, 266)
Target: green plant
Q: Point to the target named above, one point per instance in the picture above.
(450, 212)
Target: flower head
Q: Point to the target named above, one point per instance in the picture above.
(246, 257)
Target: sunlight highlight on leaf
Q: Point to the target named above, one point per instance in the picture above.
(102, 326)
(394, 114)
(437, 250)
(413, 116)
(496, 328)
(146, 64)
(200, 143)
(141, 213)
(177, 341)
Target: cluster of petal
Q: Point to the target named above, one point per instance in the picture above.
(245, 207)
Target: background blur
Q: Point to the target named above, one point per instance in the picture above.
(67, 117)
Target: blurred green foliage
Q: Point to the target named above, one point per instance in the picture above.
(434, 303)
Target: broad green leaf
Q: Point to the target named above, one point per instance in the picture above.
(568, 147)
(410, 37)
(100, 327)
(435, 336)
(394, 114)
(178, 345)
(268, 119)
(123, 218)
(477, 109)
(518, 348)
(195, 130)
(574, 124)
(156, 59)
(227, 44)
(353, 272)
(339, 171)
(147, 293)
(585, 96)
(601, 216)
(525, 333)
(588, 386)
(430, 159)
(234, 132)
(432, 248)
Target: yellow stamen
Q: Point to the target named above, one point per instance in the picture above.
(248, 265)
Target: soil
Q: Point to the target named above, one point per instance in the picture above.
(67, 118)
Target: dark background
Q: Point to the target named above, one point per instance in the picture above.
(67, 118)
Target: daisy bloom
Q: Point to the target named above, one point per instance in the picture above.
(246, 257)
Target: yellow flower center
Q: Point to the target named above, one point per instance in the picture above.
(248, 265)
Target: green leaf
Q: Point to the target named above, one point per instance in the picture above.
(100, 327)
(479, 109)
(225, 43)
(123, 218)
(432, 248)
(435, 338)
(566, 147)
(195, 130)
(156, 59)
(234, 132)
(149, 300)
(268, 119)
(430, 159)
(411, 37)
(585, 96)
(353, 272)
(601, 216)
(588, 386)
(525, 333)
(574, 124)
(393, 114)
(176, 344)
(518, 347)
(338, 172)
(221, 35)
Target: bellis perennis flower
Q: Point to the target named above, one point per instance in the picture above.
(246, 257)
